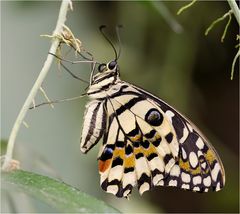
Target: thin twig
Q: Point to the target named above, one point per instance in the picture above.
(234, 62)
(45, 95)
(186, 7)
(55, 43)
(217, 21)
(58, 101)
(226, 27)
(25, 124)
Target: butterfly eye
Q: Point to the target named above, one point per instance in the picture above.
(112, 65)
(154, 117)
(101, 67)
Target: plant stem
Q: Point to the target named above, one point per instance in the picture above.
(58, 30)
(168, 17)
(234, 62)
(234, 7)
(186, 7)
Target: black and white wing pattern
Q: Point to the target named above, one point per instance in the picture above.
(147, 143)
(94, 125)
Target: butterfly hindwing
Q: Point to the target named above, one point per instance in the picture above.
(142, 152)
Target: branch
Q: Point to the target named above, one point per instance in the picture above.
(168, 17)
(228, 14)
(186, 7)
(234, 63)
(235, 9)
(37, 85)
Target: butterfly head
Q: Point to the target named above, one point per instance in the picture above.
(105, 78)
(107, 72)
(111, 66)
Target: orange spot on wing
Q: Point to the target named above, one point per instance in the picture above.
(210, 156)
(103, 165)
(119, 153)
(187, 167)
(136, 138)
(149, 151)
(129, 161)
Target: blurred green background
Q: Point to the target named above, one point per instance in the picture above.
(185, 68)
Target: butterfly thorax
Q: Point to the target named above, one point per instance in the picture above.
(103, 81)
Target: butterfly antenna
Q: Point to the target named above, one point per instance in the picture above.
(110, 42)
(119, 40)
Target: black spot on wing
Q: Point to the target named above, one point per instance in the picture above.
(107, 152)
(136, 144)
(134, 132)
(144, 178)
(120, 144)
(154, 117)
(167, 158)
(139, 155)
(128, 169)
(117, 161)
(128, 188)
(169, 137)
(104, 185)
(151, 156)
(157, 142)
(150, 134)
(145, 144)
(128, 149)
(155, 172)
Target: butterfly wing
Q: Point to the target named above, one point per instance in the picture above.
(135, 152)
(199, 167)
(148, 143)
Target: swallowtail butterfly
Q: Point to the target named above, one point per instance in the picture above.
(146, 142)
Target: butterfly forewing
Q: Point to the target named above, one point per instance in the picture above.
(198, 168)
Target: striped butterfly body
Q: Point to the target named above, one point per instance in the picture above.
(146, 142)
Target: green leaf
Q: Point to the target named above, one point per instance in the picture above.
(57, 194)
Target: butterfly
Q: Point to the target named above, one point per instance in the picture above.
(146, 142)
